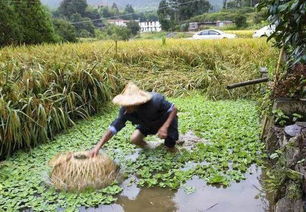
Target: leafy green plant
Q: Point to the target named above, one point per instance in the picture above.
(280, 117)
(289, 18)
(274, 180)
(163, 40)
(296, 117)
(189, 189)
(240, 21)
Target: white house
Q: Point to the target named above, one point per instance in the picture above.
(118, 22)
(150, 26)
(223, 23)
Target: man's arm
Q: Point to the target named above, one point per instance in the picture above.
(163, 131)
(115, 127)
(106, 137)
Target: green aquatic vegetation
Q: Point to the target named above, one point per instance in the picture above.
(189, 189)
(231, 129)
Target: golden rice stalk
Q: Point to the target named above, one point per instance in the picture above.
(76, 171)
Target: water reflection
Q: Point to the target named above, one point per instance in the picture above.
(243, 196)
(150, 200)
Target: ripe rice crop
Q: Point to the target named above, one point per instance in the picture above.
(43, 89)
(242, 33)
(76, 171)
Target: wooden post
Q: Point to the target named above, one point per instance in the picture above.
(263, 128)
(278, 64)
(116, 47)
(275, 80)
(250, 82)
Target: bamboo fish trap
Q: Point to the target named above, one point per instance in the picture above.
(77, 171)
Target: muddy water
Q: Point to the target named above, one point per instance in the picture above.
(244, 196)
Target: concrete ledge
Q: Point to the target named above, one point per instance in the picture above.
(289, 106)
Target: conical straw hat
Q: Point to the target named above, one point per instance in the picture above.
(132, 95)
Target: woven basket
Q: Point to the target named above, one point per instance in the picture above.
(77, 171)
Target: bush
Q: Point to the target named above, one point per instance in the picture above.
(82, 25)
(113, 32)
(10, 32)
(240, 21)
(134, 27)
(65, 30)
(184, 27)
(289, 18)
(24, 22)
(84, 33)
(260, 16)
(35, 22)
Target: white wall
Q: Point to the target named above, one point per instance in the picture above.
(150, 26)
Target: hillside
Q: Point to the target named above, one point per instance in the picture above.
(138, 4)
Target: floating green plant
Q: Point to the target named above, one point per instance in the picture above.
(231, 129)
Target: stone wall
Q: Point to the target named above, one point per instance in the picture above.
(288, 160)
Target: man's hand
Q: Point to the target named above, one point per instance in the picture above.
(162, 133)
(94, 152)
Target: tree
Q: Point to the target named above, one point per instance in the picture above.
(134, 27)
(224, 4)
(118, 32)
(289, 19)
(200, 7)
(260, 16)
(83, 24)
(151, 16)
(93, 14)
(115, 9)
(10, 28)
(36, 23)
(129, 9)
(180, 10)
(106, 12)
(237, 3)
(69, 7)
(148, 16)
(164, 13)
(240, 21)
(65, 30)
(231, 5)
(130, 12)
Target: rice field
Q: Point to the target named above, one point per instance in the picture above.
(241, 33)
(177, 35)
(44, 89)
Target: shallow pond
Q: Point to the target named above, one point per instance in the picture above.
(246, 195)
(230, 132)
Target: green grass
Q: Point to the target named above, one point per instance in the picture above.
(231, 128)
(160, 35)
(151, 35)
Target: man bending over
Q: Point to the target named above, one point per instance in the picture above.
(151, 114)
